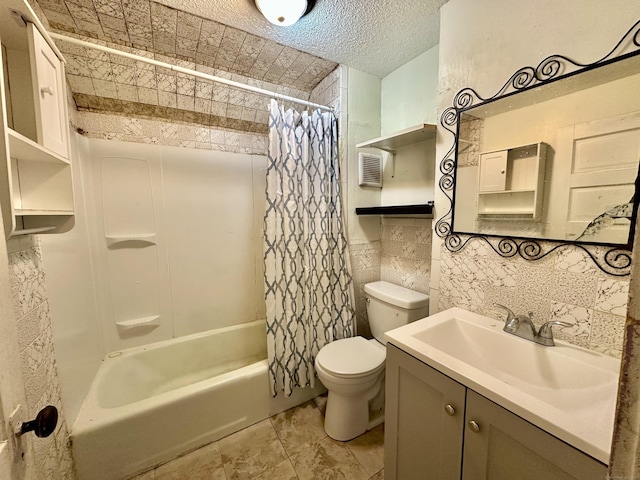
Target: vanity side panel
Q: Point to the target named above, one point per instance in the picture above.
(421, 439)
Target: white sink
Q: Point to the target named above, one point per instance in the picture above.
(566, 390)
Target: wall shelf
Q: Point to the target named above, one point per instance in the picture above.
(22, 147)
(424, 210)
(403, 138)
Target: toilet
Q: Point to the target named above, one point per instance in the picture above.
(352, 369)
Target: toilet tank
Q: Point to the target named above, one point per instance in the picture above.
(390, 306)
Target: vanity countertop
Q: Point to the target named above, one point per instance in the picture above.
(566, 390)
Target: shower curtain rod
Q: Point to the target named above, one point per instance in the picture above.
(188, 71)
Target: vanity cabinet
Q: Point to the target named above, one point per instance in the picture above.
(438, 429)
(511, 181)
(36, 192)
(424, 420)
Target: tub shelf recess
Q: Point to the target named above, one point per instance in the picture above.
(146, 239)
(152, 321)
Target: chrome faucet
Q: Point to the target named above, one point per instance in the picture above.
(522, 326)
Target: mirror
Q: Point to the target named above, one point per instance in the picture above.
(554, 155)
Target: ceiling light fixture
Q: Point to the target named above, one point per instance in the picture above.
(283, 12)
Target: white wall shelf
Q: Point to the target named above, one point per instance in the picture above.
(22, 147)
(26, 212)
(403, 138)
(415, 173)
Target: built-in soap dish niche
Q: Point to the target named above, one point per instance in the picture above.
(137, 324)
(130, 241)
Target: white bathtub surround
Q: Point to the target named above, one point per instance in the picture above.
(175, 239)
(308, 285)
(148, 405)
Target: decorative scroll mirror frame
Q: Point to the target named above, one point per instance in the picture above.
(612, 259)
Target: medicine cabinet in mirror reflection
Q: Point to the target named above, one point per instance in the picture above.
(558, 161)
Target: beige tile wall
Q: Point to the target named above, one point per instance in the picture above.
(29, 291)
(104, 82)
(406, 252)
(140, 130)
(365, 265)
(150, 26)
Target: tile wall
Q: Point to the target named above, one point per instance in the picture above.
(402, 257)
(365, 265)
(141, 130)
(406, 252)
(194, 113)
(153, 27)
(42, 386)
(104, 82)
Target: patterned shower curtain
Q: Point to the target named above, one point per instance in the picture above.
(308, 287)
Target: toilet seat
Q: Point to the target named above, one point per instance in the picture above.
(351, 357)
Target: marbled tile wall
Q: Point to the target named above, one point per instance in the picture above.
(151, 26)
(402, 256)
(564, 286)
(42, 386)
(114, 127)
(146, 129)
(406, 252)
(365, 266)
(104, 82)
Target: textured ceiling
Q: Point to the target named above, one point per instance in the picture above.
(375, 36)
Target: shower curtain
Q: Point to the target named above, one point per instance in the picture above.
(308, 286)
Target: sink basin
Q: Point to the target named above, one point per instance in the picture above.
(484, 345)
(566, 390)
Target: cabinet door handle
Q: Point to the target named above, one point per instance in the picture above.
(48, 90)
(473, 425)
(451, 411)
(501, 171)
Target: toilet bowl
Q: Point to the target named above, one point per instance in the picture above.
(352, 369)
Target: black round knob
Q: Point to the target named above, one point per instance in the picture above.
(44, 424)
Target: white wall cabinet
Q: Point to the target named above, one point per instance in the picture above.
(437, 429)
(35, 170)
(511, 182)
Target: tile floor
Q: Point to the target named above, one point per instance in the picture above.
(290, 445)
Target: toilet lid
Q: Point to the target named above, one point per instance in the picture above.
(351, 357)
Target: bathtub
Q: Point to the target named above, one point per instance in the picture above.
(149, 404)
